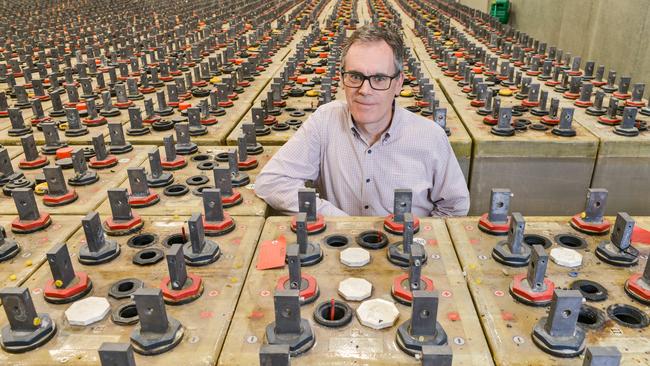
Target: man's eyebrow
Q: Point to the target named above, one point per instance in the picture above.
(360, 73)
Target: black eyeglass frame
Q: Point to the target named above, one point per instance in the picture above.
(367, 77)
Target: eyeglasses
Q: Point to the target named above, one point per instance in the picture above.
(354, 79)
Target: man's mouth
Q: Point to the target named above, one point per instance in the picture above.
(364, 103)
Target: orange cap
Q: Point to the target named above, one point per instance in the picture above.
(64, 152)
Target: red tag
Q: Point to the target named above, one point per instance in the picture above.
(640, 235)
(272, 253)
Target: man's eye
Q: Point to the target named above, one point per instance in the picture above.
(356, 77)
(379, 78)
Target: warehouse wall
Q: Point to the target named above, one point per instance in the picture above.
(610, 32)
(477, 4)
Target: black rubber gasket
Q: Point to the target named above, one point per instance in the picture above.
(142, 240)
(590, 290)
(570, 241)
(535, 239)
(147, 257)
(628, 316)
(173, 239)
(372, 239)
(200, 157)
(176, 190)
(336, 241)
(123, 289)
(342, 314)
(591, 317)
(197, 180)
(126, 314)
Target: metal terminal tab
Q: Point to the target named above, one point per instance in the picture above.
(504, 123)
(98, 249)
(140, 195)
(163, 108)
(619, 250)
(416, 259)
(101, 153)
(402, 203)
(423, 329)
(310, 253)
(116, 354)
(399, 253)
(245, 163)
(63, 273)
(628, 127)
(440, 118)
(237, 177)
(595, 207)
(172, 160)
(276, 355)
(18, 127)
(293, 264)
(8, 247)
(564, 128)
(58, 193)
(512, 251)
(118, 143)
(199, 251)
(499, 205)
(176, 267)
(184, 144)
(27, 329)
(32, 160)
(585, 95)
(93, 118)
(289, 328)
(136, 125)
(436, 355)
(52, 140)
(252, 146)
(222, 181)
(119, 201)
(83, 176)
(157, 176)
(108, 110)
(156, 333)
(216, 222)
(602, 356)
(29, 218)
(258, 115)
(533, 288)
(212, 205)
(195, 128)
(307, 203)
(7, 173)
(558, 333)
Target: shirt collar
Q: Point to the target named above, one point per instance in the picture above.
(392, 128)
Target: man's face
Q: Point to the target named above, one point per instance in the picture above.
(369, 106)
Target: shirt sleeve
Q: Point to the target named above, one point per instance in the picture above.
(449, 195)
(295, 162)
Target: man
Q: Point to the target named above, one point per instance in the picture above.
(359, 151)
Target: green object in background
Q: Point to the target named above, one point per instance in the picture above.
(500, 9)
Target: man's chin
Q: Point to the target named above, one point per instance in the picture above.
(362, 118)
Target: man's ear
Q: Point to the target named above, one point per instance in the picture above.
(399, 83)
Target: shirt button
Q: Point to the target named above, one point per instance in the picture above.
(366, 207)
(369, 151)
(367, 180)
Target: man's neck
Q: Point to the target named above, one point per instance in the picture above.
(372, 132)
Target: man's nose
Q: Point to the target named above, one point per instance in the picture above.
(365, 88)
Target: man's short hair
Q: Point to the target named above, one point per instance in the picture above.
(374, 33)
